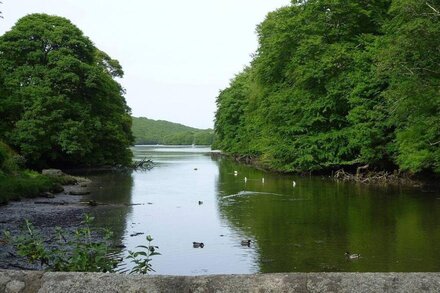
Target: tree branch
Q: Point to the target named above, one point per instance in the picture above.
(432, 7)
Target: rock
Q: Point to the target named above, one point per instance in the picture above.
(57, 188)
(47, 195)
(45, 282)
(52, 172)
(83, 181)
(79, 191)
(15, 286)
(120, 246)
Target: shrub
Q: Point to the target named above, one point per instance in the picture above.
(77, 251)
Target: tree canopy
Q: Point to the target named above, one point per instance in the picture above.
(59, 101)
(339, 83)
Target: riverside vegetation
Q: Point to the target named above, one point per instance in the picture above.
(339, 84)
(17, 182)
(59, 105)
(59, 100)
(78, 251)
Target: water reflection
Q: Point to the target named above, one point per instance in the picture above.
(113, 190)
(304, 228)
(310, 226)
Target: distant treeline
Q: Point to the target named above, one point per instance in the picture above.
(148, 131)
(339, 83)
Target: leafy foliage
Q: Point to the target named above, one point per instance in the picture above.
(59, 102)
(149, 131)
(142, 258)
(16, 182)
(338, 83)
(78, 252)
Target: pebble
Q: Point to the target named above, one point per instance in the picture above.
(15, 286)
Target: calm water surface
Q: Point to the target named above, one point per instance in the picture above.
(304, 228)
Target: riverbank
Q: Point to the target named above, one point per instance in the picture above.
(31, 184)
(46, 211)
(25, 281)
(357, 174)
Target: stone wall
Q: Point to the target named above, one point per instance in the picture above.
(24, 281)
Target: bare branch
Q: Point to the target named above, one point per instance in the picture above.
(432, 7)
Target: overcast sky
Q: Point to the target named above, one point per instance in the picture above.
(176, 54)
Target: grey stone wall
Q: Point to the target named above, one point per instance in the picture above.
(23, 281)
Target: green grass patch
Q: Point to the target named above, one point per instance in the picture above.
(25, 184)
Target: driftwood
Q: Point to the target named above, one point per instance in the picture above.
(359, 169)
(372, 177)
(143, 165)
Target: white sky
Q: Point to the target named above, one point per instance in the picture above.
(176, 54)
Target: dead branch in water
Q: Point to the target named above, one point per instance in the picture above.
(373, 177)
(143, 165)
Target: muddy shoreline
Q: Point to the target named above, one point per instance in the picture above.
(63, 210)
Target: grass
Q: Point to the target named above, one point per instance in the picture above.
(25, 184)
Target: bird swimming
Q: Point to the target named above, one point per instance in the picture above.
(262, 180)
(198, 245)
(293, 183)
(245, 179)
(246, 243)
(352, 256)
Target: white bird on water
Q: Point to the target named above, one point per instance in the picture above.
(245, 179)
(235, 173)
(262, 180)
(293, 183)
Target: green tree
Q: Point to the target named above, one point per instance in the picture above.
(299, 107)
(59, 102)
(410, 57)
(339, 84)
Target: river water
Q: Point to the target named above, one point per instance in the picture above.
(303, 228)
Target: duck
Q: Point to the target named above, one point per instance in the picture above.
(293, 183)
(352, 256)
(198, 245)
(200, 202)
(246, 243)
